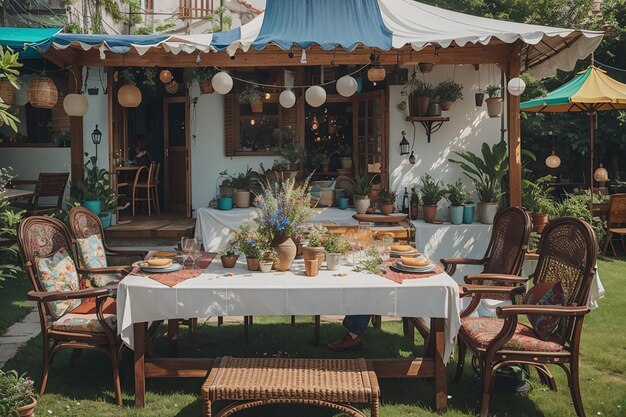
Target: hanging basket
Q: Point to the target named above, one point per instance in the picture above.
(256, 106)
(7, 92)
(42, 93)
(206, 87)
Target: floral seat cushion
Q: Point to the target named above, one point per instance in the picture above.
(83, 317)
(58, 273)
(481, 331)
(92, 255)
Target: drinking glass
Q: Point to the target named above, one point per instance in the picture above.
(195, 253)
(364, 235)
(186, 246)
(352, 238)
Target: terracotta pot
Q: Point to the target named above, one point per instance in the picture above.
(425, 67)
(418, 105)
(256, 107)
(311, 267)
(27, 410)
(386, 208)
(430, 212)
(540, 221)
(229, 261)
(325, 167)
(266, 266)
(446, 105)
(316, 252)
(286, 249)
(299, 248)
(333, 261)
(253, 264)
(486, 212)
(346, 162)
(494, 106)
(361, 205)
(242, 198)
(479, 98)
(206, 87)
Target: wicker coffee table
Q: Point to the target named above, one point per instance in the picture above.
(253, 382)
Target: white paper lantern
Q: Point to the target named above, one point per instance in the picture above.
(75, 105)
(315, 96)
(129, 96)
(287, 99)
(516, 86)
(553, 161)
(347, 86)
(222, 82)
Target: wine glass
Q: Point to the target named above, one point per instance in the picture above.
(195, 252)
(364, 235)
(352, 238)
(186, 246)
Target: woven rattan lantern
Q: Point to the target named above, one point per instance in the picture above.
(7, 92)
(42, 93)
(376, 73)
(75, 105)
(172, 87)
(601, 175)
(129, 95)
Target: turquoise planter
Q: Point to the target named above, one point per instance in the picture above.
(225, 203)
(105, 218)
(342, 203)
(93, 205)
(468, 213)
(456, 214)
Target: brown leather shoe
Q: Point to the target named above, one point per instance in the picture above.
(346, 343)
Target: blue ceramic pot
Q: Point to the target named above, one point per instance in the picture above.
(105, 218)
(468, 213)
(225, 203)
(93, 205)
(342, 203)
(456, 214)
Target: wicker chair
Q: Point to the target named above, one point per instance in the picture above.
(616, 223)
(89, 325)
(84, 223)
(567, 254)
(48, 185)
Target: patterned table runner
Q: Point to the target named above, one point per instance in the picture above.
(173, 278)
(401, 276)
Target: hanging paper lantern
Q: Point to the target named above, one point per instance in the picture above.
(553, 161)
(222, 82)
(165, 76)
(287, 99)
(315, 96)
(42, 93)
(376, 73)
(129, 95)
(347, 86)
(75, 105)
(601, 175)
(516, 86)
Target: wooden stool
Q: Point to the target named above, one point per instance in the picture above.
(253, 382)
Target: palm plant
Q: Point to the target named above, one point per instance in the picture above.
(362, 184)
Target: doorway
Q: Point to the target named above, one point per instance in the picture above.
(176, 145)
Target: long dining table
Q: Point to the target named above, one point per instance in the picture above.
(218, 291)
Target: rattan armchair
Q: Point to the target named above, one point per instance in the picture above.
(616, 222)
(567, 254)
(92, 324)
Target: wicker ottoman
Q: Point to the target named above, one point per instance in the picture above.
(252, 382)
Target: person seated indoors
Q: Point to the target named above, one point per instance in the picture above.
(142, 156)
(353, 340)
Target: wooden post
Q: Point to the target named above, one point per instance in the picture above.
(74, 84)
(437, 332)
(139, 336)
(514, 130)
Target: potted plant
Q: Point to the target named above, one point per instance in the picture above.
(425, 67)
(486, 173)
(252, 95)
(249, 242)
(432, 191)
(95, 190)
(386, 201)
(313, 248)
(229, 256)
(269, 257)
(314, 160)
(292, 153)
(457, 196)
(242, 183)
(538, 201)
(419, 97)
(494, 102)
(346, 158)
(204, 76)
(434, 109)
(362, 185)
(468, 211)
(108, 207)
(16, 394)
(335, 246)
(478, 98)
(449, 93)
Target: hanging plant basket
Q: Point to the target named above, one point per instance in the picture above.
(479, 98)
(425, 67)
(256, 106)
(206, 87)
(43, 93)
(494, 106)
(7, 92)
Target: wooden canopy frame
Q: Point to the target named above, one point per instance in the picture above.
(507, 56)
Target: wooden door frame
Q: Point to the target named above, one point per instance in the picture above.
(166, 102)
(383, 94)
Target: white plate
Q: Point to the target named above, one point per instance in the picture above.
(400, 266)
(170, 268)
(399, 254)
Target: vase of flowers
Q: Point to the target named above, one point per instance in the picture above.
(17, 396)
(251, 243)
(269, 256)
(229, 256)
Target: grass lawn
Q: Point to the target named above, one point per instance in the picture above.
(86, 389)
(13, 300)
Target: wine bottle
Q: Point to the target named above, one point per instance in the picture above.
(405, 201)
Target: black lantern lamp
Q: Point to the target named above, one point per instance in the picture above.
(96, 138)
(404, 145)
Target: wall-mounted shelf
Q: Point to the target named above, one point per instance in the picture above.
(431, 123)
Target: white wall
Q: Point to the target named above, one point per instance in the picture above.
(98, 114)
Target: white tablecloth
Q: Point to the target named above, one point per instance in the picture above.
(214, 226)
(141, 299)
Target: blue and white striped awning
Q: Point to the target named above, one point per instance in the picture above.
(348, 24)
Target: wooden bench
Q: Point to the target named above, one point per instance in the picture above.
(253, 382)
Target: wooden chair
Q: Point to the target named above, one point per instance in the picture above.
(85, 324)
(48, 185)
(151, 185)
(616, 223)
(84, 223)
(567, 254)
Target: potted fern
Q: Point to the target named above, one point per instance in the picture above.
(362, 185)
(494, 102)
(449, 93)
(242, 183)
(386, 201)
(252, 95)
(432, 191)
